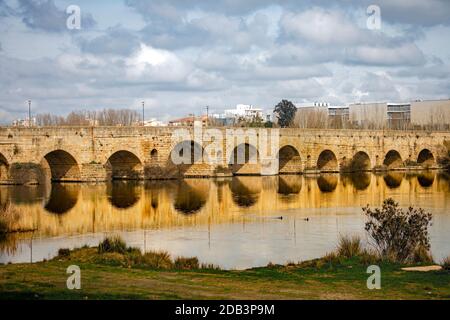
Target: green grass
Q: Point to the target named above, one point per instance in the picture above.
(132, 275)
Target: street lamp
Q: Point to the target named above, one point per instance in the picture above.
(143, 113)
(29, 113)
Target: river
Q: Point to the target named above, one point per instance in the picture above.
(236, 223)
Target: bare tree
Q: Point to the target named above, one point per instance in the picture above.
(106, 117)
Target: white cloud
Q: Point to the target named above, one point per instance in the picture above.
(219, 53)
(403, 54)
(157, 65)
(321, 26)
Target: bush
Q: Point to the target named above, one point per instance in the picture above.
(186, 263)
(397, 234)
(112, 244)
(446, 263)
(422, 255)
(157, 260)
(369, 257)
(349, 247)
(330, 258)
(64, 252)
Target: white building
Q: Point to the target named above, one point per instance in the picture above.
(244, 111)
(24, 122)
(154, 123)
(431, 112)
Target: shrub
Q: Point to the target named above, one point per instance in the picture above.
(422, 255)
(157, 260)
(330, 258)
(369, 257)
(64, 252)
(446, 263)
(398, 234)
(112, 244)
(349, 247)
(186, 263)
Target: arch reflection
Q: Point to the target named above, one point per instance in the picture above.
(360, 180)
(63, 197)
(191, 196)
(123, 194)
(393, 180)
(245, 191)
(426, 179)
(327, 183)
(289, 186)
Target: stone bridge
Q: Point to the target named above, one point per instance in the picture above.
(89, 154)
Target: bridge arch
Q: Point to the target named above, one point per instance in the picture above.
(360, 162)
(244, 160)
(425, 158)
(4, 168)
(124, 165)
(327, 161)
(61, 166)
(188, 155)
(393, 160)
(187, 152)
(289, 160)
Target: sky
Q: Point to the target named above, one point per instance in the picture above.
(182, 55)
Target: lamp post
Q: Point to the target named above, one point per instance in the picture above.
(207, 115)
(143, 113)
(29, 113)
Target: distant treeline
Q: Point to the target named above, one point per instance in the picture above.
(107, 117)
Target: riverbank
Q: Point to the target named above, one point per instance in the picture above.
(112, 276)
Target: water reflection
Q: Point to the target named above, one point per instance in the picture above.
(123, 194)
(360, 180)
(327, 182)
(289, 187)
(28, 194)
(64, 210)
(190, 196)
(426, 179)
(245, 191)
(393, 179)
(63, 198)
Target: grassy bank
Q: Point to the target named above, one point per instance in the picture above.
(117, 272)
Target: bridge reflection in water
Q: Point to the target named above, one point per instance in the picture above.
(64, 210)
